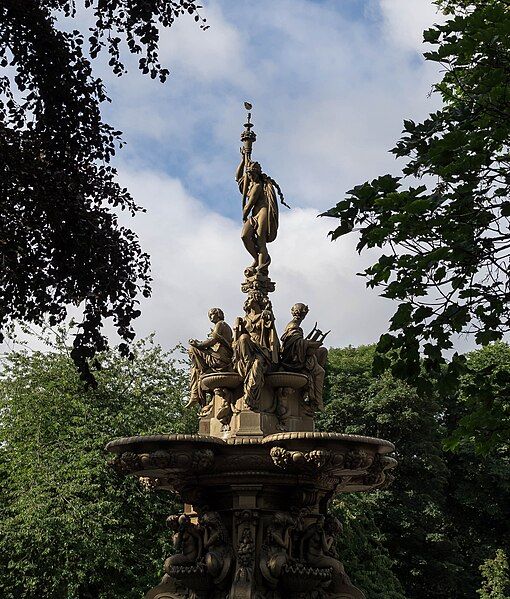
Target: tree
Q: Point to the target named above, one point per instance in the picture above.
(60, 241)
(409, 515)
(485, 398)
(363, 551)
(69, 526)
(445, 513)
(496, 582)
(446, 238)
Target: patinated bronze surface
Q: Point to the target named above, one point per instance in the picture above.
(257, 479)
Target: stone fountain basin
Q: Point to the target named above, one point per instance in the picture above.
(188, 464)
(232, 380)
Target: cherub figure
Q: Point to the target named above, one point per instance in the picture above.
(187, 539)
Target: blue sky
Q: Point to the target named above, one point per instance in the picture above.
(331, 82)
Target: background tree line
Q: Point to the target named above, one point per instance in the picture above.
(70, 527)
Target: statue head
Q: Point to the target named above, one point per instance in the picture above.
(254, 171)
(332, 525)
(255, 301)
(173, 522)
(225, 394)
(284, 520)
(213, 521)
(299, 311)
(215, 315)
(184, 519)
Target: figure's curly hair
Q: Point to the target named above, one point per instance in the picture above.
(255, 166)
(213, 520)
(218, 312)
(277, 187)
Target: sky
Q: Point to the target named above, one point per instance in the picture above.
(330, 82)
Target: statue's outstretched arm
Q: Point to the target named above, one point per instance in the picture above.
(240, 168)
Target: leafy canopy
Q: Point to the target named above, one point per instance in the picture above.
(60, 241)
(496, 584)
(445, 238)
(69, 526)
(485, 395)
(445, 513)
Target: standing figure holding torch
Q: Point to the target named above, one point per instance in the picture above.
(260, 205)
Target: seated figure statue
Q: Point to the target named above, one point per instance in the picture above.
(318, 550)
(213, 354)
(306, 355)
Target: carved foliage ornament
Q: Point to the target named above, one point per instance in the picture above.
(199, 460)
(320, 459)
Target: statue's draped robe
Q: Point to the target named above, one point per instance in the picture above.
(299, 356)
(254, 352)
(217, 357)
(269, 201)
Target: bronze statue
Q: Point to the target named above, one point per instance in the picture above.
(305, 354)
(217, 547)
(187, 539)
(260, 204)
(318, 550)
(215, 353)
(225, 411)
(257, 474)
(277, 548)
(256, 346)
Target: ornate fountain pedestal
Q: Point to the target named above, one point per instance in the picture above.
(267, 498)
(257, 479)
(282, 406)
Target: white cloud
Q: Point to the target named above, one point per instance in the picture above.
(211, 56)
(330, 93)
(405, 20)
(198, 260)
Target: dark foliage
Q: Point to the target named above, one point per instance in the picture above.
(447, 241)
(446, 513)
(60, 240)
(69, 526)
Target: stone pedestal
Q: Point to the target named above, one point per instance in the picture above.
(270, 493)
(283, 406)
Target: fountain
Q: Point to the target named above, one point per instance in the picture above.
(257, 479)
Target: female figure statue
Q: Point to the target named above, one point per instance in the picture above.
(305, 355)
(256, 346)
(213, 354)
(187, 539)
(217, 547)
(277, 548)
(318, 549)
(260, 211)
